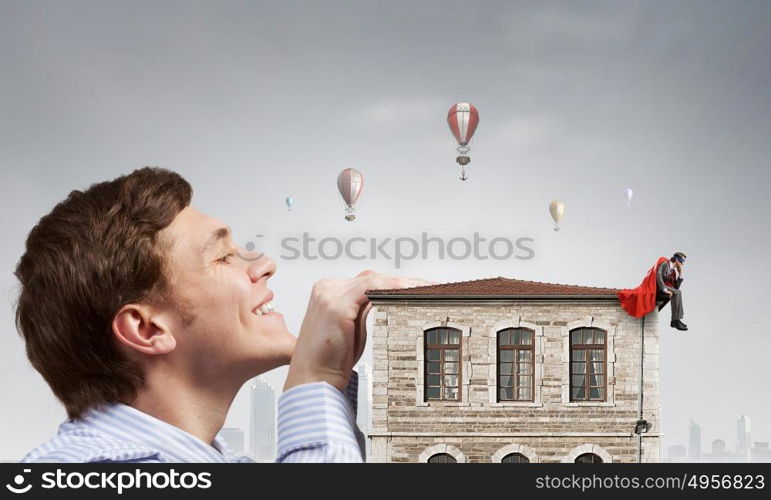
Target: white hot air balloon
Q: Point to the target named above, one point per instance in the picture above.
(350, 183)
(557, 210)
(628, 193)
(289, 202)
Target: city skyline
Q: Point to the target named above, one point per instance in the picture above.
(262, 436)
(745, 448)
(251, 422)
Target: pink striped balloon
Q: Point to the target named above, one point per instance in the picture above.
(463, 119)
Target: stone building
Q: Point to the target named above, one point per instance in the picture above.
(507, 370)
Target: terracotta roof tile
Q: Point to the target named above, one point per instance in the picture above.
(499, 286)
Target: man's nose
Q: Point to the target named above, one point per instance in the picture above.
(264, 267)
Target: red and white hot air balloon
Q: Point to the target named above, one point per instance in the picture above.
(350, 183)
(463, 119)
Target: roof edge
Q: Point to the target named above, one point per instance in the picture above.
(482, 298)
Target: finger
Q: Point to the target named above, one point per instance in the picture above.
(377, 281)
(411, 278)
(422, 280)
(360, 335)
(393, 283)
(355, 292)
(358, 288)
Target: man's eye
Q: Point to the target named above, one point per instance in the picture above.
(225, 258)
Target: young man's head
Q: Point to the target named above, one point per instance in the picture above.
(678, 260)
(125, 281)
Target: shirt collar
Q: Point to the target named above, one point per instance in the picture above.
(126, 423)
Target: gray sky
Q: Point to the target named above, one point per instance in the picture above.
(254, 101)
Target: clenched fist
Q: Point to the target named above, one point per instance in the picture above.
(333, 334)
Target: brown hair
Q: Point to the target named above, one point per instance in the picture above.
(95, 252)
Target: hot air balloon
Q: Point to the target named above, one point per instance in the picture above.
(289, 202)
(557, 209)
(349, 183)
(463, 119)
(628, 193)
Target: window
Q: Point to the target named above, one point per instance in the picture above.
(442, 458)
(516, 366)
(443, 367)
(515, 458)
(588, 365)
(588, 458)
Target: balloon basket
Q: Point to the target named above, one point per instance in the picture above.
(350, 217)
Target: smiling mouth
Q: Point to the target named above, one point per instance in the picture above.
(266, 306)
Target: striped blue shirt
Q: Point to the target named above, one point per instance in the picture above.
(316, 423)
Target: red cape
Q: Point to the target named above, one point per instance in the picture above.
(641, 300)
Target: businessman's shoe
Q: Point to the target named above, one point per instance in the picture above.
(679, 325)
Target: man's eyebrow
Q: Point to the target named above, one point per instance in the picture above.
(218, 235)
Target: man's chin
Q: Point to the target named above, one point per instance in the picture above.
(284, 349)
(260, 364)
(276, 350)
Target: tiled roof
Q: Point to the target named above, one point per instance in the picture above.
(497, 287)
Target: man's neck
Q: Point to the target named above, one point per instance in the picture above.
(199, 411)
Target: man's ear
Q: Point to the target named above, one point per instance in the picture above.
(140, 327)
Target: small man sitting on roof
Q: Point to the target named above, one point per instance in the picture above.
(661, 283)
